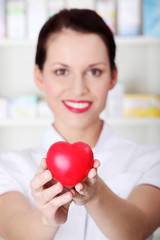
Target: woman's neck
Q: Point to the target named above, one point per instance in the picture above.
(89, 135)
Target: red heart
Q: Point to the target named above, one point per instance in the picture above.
(69, 163)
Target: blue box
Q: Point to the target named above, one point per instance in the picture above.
(151, 17)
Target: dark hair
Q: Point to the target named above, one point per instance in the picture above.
(80, 20)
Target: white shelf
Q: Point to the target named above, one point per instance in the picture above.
(120, 40)
(25, 122)
(137, 40)
(19, 43)
(138, 63)
(147, 121)
(37, 122)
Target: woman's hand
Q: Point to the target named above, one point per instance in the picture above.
(50, 197)
(87, 190)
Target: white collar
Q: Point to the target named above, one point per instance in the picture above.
(52, 136)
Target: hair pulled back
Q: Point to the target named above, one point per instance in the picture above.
(80, 20)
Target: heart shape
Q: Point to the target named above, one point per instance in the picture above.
(69, 163)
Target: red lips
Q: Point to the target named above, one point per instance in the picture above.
(80, 106)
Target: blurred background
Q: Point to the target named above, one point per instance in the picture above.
(133, 106)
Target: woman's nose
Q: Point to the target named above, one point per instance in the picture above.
(79, 85)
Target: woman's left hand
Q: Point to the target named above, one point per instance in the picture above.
(86, 190)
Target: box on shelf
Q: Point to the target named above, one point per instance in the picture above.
(2, 19)
(89, 4)
(36, 17)
(151, 17)
(54, 6)
(16, 19)
(23, 107)
(158, 103)
(114, 106)
(107, 10)
(128, 17)
(139, 105)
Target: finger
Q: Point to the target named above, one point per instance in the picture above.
(96, 164)
(50, 209)
(82, 189)
(61, 200)
(42, 167)
(40, 180)
(79, 187)
(92, 173)
(48, 194)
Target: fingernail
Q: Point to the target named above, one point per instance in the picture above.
(58, 186)
(68, 196)
(79, 187)
(43, 162)
(47, 175)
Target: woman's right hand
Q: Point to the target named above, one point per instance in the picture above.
(50, 197)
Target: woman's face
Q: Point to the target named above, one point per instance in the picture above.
(76, 77)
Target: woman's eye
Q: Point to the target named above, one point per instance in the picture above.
(61, 72)
(94, 72)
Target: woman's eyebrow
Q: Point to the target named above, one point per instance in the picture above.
(67, 66)
(61, 64)
(98, 63)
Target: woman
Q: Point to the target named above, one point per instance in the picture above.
(119, 199)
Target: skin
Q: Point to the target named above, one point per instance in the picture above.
(77, 67)
(77, 72)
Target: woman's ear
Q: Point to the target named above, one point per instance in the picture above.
(38, 78)
(113, 77)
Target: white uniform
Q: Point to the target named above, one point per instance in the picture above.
(124, 165)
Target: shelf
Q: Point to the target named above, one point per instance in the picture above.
(133, 121)
(37, 122)
(137, 40)
(127, 40)
(25, 122)
(17, 43)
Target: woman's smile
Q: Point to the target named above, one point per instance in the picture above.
(79, 106)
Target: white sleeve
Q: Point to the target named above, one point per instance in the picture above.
(152, 176)
(149, 162)
(11, 176)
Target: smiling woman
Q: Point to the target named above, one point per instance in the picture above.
(75, 68)
(75, 79)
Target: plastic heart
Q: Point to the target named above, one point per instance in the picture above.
(69, 163)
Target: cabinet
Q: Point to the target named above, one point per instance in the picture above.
(138, 61)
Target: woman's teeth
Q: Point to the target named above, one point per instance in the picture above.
(77, 105)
